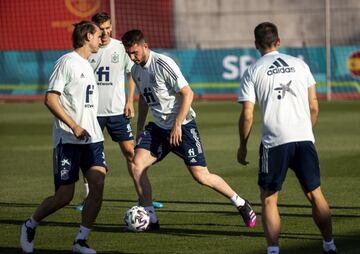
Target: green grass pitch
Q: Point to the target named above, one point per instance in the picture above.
(194, 219)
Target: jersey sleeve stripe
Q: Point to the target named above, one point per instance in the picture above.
(167, 68)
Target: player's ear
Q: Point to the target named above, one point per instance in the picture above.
(277, 43)
(146, 45)
(89, 36)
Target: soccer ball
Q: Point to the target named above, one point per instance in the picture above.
(137, 219)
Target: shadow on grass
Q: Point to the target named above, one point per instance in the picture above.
(306, 214)
(167, 229)
(42, 251)
(227, 203)
(5, 204)
(346, 244)
(335, 214)
(117, 228)
(182, 230)
(30, 205)
(258, 213)
(18, 250)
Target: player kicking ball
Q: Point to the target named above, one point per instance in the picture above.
(165, 91)
(110, 65)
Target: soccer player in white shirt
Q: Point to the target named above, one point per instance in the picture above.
(285, 89)
(72, 97)
(165, 91)
(110, 64)
(115, 110)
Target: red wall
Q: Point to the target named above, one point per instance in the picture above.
(47, 24)
(153, 17)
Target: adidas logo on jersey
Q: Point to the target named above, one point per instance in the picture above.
(279, 66)
(82, 75)
(92, 61)
(193, 160)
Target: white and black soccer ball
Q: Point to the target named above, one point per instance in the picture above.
(137, 219)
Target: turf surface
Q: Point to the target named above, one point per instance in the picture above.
(194, 219)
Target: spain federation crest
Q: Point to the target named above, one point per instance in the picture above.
(353, 64)
(115, 58)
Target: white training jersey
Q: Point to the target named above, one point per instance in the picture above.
(74, 79)
(110, 64)
(159, 83)
(280, 84)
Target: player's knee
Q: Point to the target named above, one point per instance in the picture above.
(67, 201)
(201, 178)
(136, 170)
(316, 196)
(201, 175)
(63, 195)
(127, 150)
(268, 199)
(97, 185)
(129, 154)
(64, 199)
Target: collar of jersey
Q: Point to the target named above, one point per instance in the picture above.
(76, 54)
(108, 45)
(272, 53)
(147, 65)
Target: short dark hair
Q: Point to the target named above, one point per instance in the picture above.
(80, 32)
(100, 18)
(133, 37)
(266, 35)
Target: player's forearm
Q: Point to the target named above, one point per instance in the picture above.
(313, 105)
(314, 116)
(131, 89)
(53, 104)
(245, 122)
(187, 98)
(314, 111)
(245, 125)
(143, 110)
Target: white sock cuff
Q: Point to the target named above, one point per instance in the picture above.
(151, 211)
(31, 222)
(329, 242)
(237, 200)
(330, 245)
(273, 250)
(149, 208)
(83, 233)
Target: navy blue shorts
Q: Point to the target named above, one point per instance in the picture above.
(69, 158)
(156, 140)
(301, 157)
(118, 127)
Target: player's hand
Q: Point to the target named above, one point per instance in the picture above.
(81, 133)
(129, 110)
(241, 156)
(175, 135)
